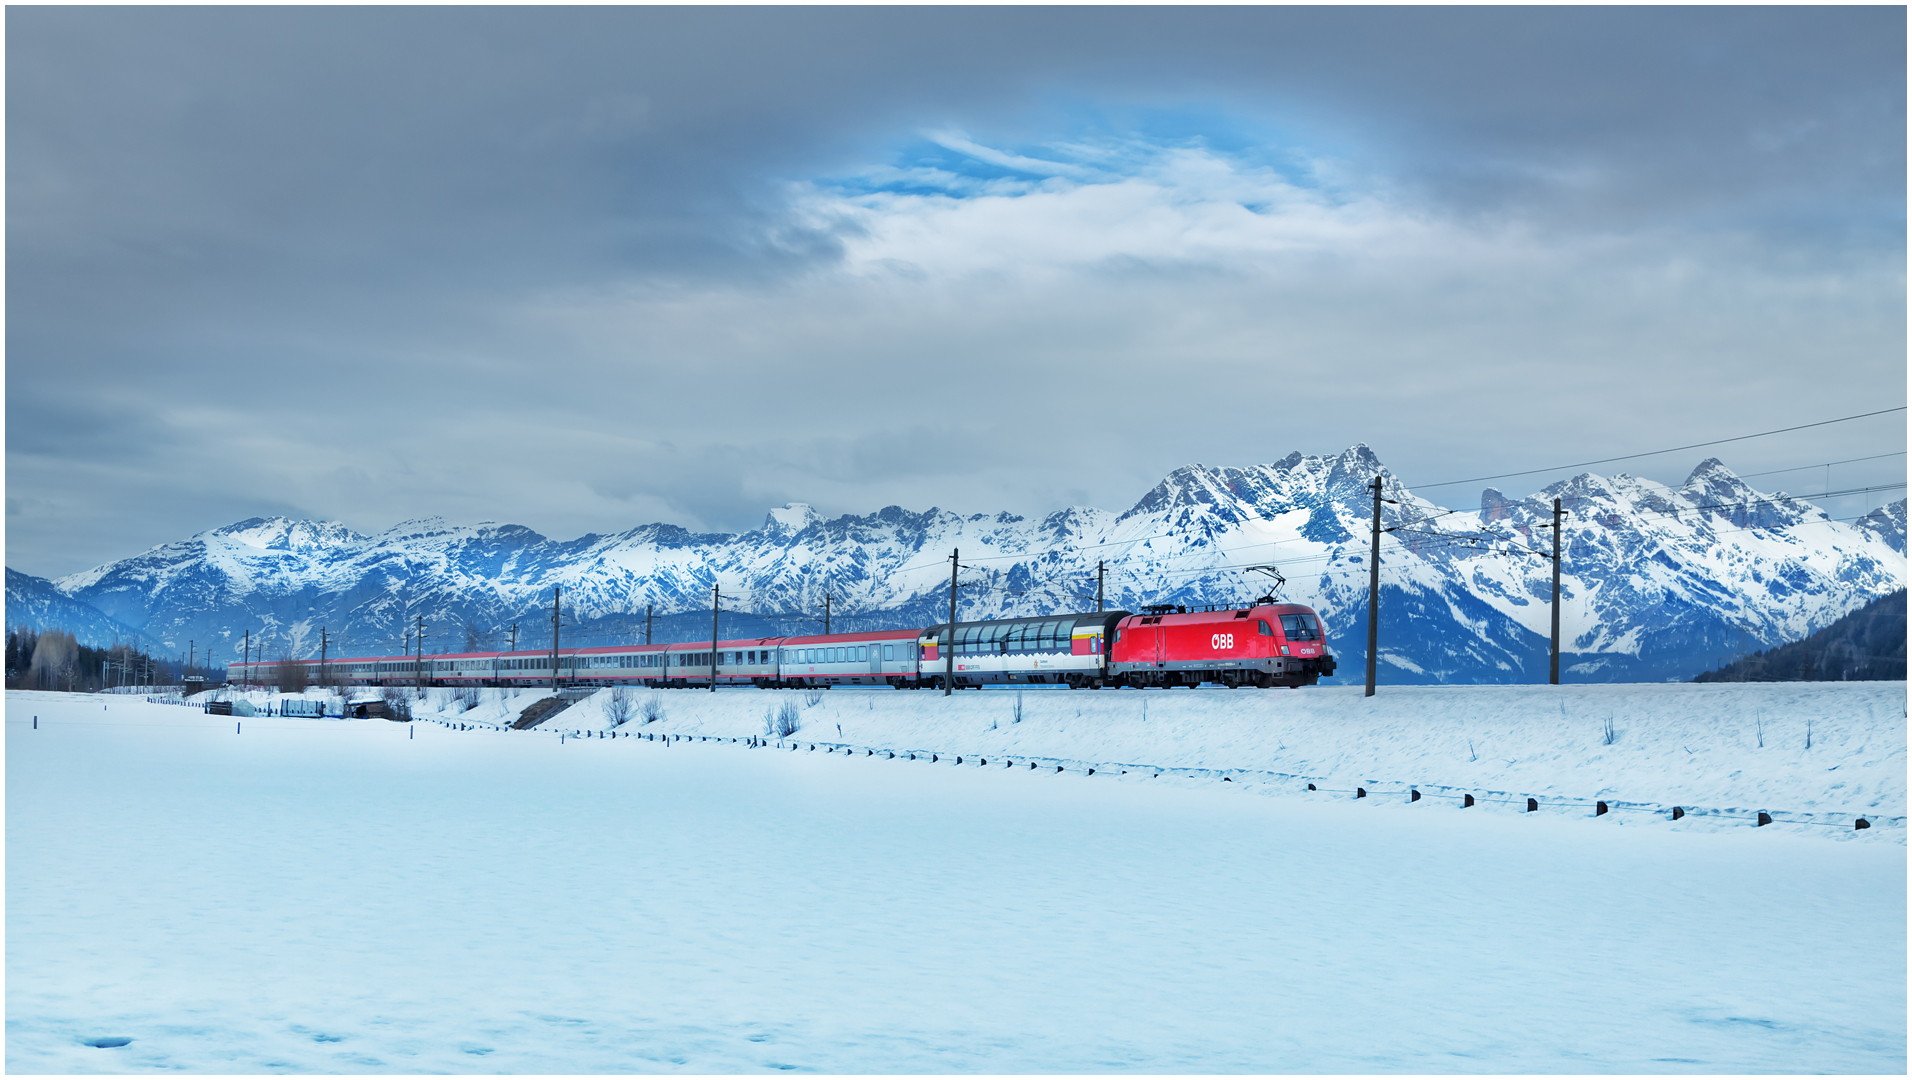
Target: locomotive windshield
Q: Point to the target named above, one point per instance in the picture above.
(1301, 627)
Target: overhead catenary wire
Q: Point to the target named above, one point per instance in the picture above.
(1656, 453)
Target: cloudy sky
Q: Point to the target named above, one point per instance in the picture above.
(584, 269)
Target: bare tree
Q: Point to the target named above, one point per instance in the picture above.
(291, 676)
(53, 657)
(783, 719)
(618, 705)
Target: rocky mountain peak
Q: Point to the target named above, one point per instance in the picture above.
(790, 519)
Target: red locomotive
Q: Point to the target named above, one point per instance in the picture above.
(1267, 644)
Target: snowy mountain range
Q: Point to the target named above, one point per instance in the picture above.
(1658, 582)
(38, 604)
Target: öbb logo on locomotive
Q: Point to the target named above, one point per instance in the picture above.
(1266, 644)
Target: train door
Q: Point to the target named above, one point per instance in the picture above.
(1161, 644)
(876, 658)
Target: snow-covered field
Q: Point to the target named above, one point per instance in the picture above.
(364, 896)
(1822, 752)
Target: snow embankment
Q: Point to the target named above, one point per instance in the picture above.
(1824, 752)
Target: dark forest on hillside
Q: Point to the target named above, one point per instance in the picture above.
(1867, 645)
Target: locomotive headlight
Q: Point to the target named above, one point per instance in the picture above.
(1284, 650)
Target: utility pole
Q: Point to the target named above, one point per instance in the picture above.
(192, 653)
(1553, 654)
(322, 644)
(714, 601)
(418, 666)
(826, 614)
(514, 637)
(1101, 569)
(556, 592)
(949, 638)
(1374, 588)
(647, 624)
(245, 663)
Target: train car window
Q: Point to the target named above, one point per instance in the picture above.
(863, 654)
(1261, 627)
(1300, 627)
(889, 652)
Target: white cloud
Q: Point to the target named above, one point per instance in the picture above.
(1186, 207)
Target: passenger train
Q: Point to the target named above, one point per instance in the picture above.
(1264, 644)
